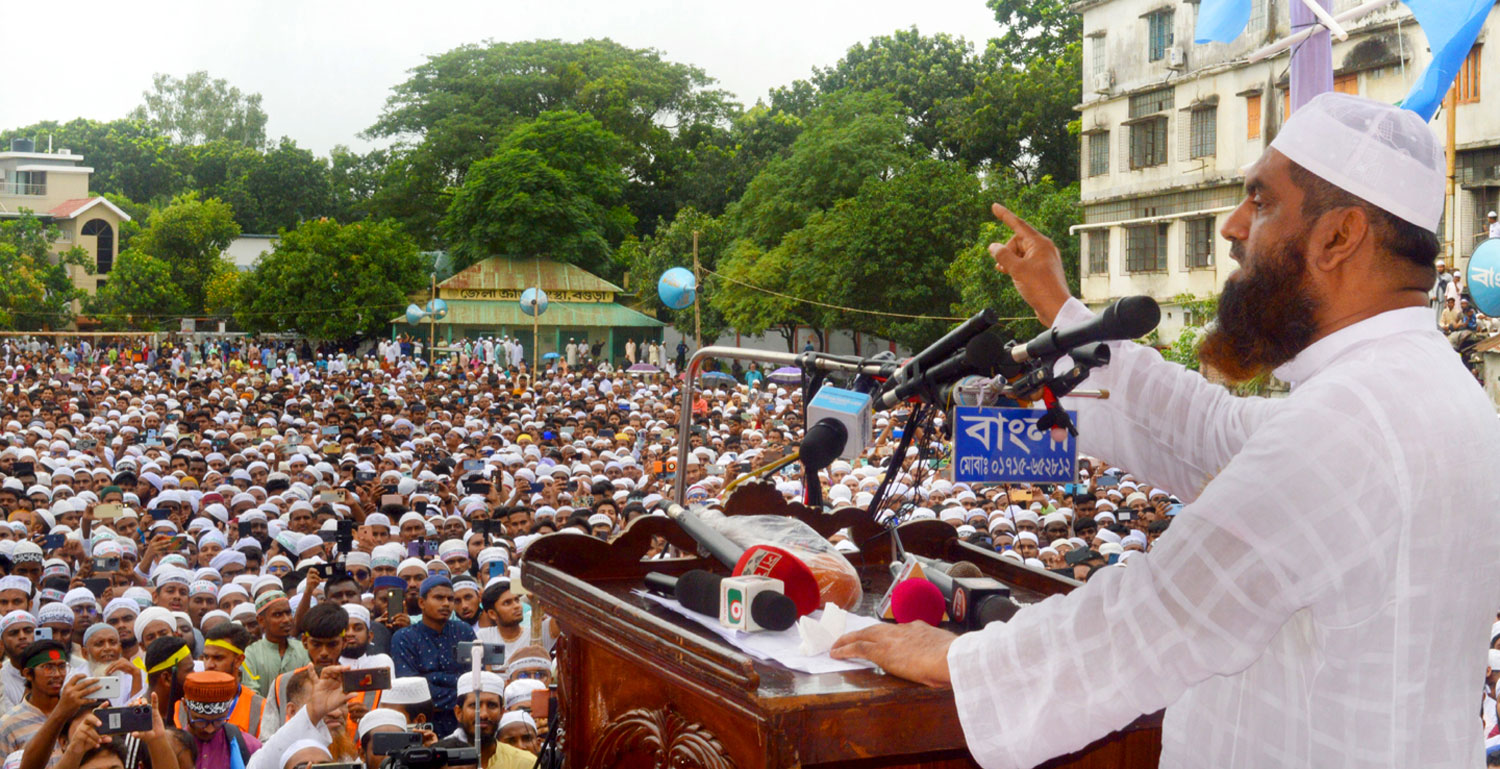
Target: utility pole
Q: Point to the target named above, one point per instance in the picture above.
(432, 328)
(536, 323)
(697, 296)
(1450, 106)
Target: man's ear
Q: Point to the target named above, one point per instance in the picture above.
(1337, 237)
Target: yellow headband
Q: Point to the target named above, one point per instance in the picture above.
(225, 645)
(245, 665)
(181, 655)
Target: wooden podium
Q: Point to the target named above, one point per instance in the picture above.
(640, 686)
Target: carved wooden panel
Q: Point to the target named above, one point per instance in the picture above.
(659, 738)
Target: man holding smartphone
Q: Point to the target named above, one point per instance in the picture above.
(430, 648)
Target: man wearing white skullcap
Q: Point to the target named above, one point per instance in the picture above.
(1266, 630)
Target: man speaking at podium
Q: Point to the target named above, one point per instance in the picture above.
(1325, 598)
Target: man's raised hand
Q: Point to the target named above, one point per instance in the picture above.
(1034, 263)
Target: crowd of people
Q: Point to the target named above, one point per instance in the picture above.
(232, 533)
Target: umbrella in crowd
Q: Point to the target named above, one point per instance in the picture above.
(786, 375)
(643, 368)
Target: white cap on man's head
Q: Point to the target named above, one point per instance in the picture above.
(1385, 155)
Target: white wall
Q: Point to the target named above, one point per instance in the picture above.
(245, 249)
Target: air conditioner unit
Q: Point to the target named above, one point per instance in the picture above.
(1176, 58)
(1104, 81)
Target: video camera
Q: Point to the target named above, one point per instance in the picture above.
(419, 757)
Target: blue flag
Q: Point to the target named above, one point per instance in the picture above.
(1221, 21)
(1451, 26)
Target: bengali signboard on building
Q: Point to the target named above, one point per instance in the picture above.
(514, 294)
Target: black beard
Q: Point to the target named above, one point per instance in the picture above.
(356, 651)
(1265, 316)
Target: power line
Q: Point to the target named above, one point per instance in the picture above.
(838, 307)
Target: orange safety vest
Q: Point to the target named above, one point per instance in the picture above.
(246, 713)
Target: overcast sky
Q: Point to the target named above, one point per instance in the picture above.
(325, 67)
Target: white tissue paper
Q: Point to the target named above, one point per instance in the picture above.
(819, 634)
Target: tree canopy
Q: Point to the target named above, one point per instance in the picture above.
(197, 109)
(332, 281)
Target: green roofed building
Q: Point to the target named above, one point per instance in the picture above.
(484, 299)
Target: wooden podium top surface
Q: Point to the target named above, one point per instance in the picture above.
(589, 586)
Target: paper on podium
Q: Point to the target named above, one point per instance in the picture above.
(783, 647)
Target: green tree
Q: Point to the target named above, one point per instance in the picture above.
(190, 236)
(128, 157)
(353, 180)
(672, 246)
(198, 109)
(931, 76)
(36, 291)
(852, 137)
(268, 190)
(1051, 209)
(456, 108)
(552, 189)
(140, 293)
(887, 249)
(746, 268)
(332, 281)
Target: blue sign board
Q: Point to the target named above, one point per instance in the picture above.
(1003, 445)
(1484, 277)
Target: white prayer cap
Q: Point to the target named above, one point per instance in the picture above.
(408, 690)
(517, 717)
(380, 717)
(1383, 154)
(492, 682)
(518, 692)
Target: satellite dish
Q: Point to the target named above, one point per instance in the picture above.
(414, 314)
(533, 301)
(677, 288)
(1483, 279)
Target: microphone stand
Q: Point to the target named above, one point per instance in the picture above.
(819, 362)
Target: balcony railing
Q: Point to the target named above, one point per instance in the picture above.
(18, 188)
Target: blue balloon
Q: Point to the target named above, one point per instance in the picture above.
(677, 288)
(533, 301)
(1484, 277)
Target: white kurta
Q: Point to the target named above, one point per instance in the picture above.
(1323, 601)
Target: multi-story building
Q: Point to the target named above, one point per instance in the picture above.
(54, 186)
(1168, 126)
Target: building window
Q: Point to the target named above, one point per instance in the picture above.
(1204, 132)
(1098, 63)
(1467, 82)
(1347, 84)
(1150, 102)
(1252, 116)
(1099, 153)
(1200, 243)
(1148, 143)
(1159, 28)
(1099, 252)
(1257, 23)
(104, 260)
(1146, 248)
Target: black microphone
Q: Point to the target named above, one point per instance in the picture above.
(823, 443)
(973, 602)
(1128, 318)
(950, 343)
(983, 355)
(699, 591)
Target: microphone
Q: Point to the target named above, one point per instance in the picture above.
(1128, 318)
(918, 599)
(983, 355)
(823, 443)
(950, 343)
(973, 602)
(703, 592)
(757, 560)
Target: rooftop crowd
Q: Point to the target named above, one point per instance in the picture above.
(225, 528)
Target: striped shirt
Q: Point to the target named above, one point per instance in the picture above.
(19, 725)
